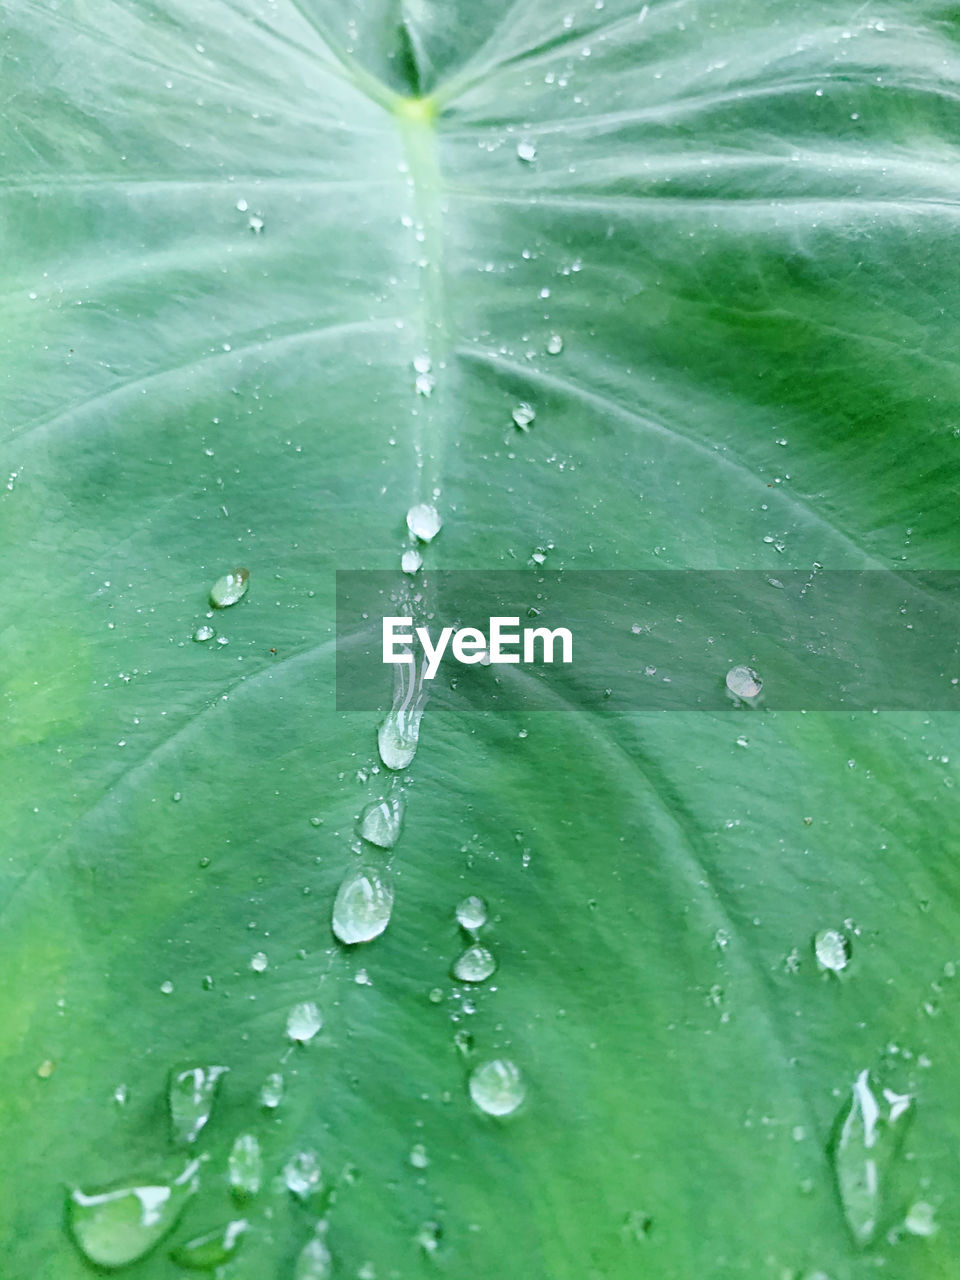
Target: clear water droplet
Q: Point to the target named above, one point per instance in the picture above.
(554, 344)
(744, 683)
(399, 735)
(230, 588)
(411, 561)
(418, 1156)
(472, 913)
(115, 1228)
(314, 1261)
(380, 822)
(832, 949)
(213, 1248)
(259, 962)
(424, 521)
(362, 908)
(527, 152)
(523, 414)
(864, 1148)
(271, 1092)
(497, 1087)
(245, 1166)
(191, 1096)
(204, 633)
(921, 1219)
(422, 364)
(476, 964)
(303, 1022)
(301, 1174)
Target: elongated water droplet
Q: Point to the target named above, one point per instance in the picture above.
(303, 1022)
(411, 561)
(744, 683)
(314, 1262)
(424, 521)
(203, 633)
(115, 1228)
(245, 1166)
(191, 1097)
(554, 344)
(380, 822)
(362, 908)
(832, 950)
(476, 964)
(864, 1148)
(301, 1174)
(213, 1248)
(527, 152)
(271, 1092)
(523, 414)
(472, 913)
(399, 735)
(230, 588)
(497, 1087)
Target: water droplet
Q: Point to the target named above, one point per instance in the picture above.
(314, 1262)
(424, 521)
(167, 987)
(424, 384)
(435, 996)
(399, 735)
(203, 633)
(411, 561)
(554, 344)
(259, 962)
(303, 1022)
(301, 1174)
(497, 1087)
(422, 364)
(832, 950)
(380, 822)
(271, 1093)
(418, 1156)
(230, 588)
(211, 1250)
(245, 1166)
(523, 414)
(255, 224)
(921, 1219)
(527, 152)
(472, 913)
(362, 908)
(45, 1069)
(115, 1228)
(744, 683)
(191, 1095)
(463, 1040)
(475, 965)
(863, 1150)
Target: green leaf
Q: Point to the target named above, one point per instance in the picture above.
(712, 249)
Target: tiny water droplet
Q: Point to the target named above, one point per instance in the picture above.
(554, 344)
(245, 1166)
(497, 1087)
(213, 1248)
(424, 522)
(523, 414)
(259, 962)
(921, 1219)
(115, 1228)
(411, 561)
(191, 1096)
(255, 224)
(744, 683)
(472, 913)
(303, 1022)
(463, 1040)
(832, 949)
(476, 964)
(380, 822)
(527, 152)
(435, 996)
(362, 908)
(45, 1069)
(167, 987)
(204, 632)
(418, 1156)
(314, 1262)
(301, 1174)
(230, 588)
(271, 1092)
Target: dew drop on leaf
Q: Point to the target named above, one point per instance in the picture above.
(399, 734)
(303, 1022)
(523, 414)
(472, 913)
(424, 522)
(271, 1092)
(418, 1156)
(212, 1249)
(554, 344)
(744, 683)
(411, 561)
(301, 1174)
(476, 964)
(314, 1261)
(230, 588)
(832, 950)
(114, 1228)
(380, 822)
(191, 1096)
(864, 1148)
(362, 907)
(527, 152)
(245, 1166)
(497, 1087)
(921, 1219)
(203, 633)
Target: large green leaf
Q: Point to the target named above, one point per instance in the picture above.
(741, 219)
